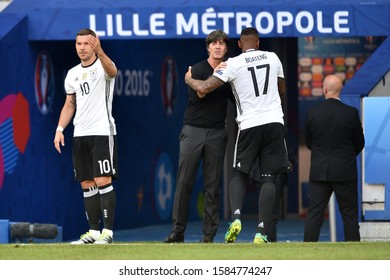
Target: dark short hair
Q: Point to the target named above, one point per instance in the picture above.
(217, 35)
(86, 31)
(249, 31)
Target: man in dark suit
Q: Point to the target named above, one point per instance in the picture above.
(334, 134)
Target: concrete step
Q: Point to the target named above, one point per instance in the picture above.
(375, 231)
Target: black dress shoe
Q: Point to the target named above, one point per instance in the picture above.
(207, 239)
(175, 237)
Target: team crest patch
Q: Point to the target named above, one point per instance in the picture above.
(93, 74)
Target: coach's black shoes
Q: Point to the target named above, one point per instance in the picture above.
(207, 238)
(175, 237)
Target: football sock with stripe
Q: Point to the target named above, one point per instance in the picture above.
(108, 201)
(92, 207)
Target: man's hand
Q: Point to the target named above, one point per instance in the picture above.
(94, 42)
(220, 66)
(188, 75)
(200, 86)
(59, 139)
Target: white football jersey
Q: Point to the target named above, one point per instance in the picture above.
(253, 76)
(94, 93)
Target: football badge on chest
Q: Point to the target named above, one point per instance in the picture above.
(93, 74)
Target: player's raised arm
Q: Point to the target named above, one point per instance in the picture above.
(108, 66)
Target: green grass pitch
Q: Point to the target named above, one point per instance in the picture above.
(196, 251)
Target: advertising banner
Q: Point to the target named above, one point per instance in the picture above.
(58, 20)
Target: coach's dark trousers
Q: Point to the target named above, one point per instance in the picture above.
(346, 196)
(199, 145)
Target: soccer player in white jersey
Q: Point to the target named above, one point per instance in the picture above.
(89, 90)
(257, 82)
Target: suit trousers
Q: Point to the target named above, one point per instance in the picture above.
(347, 198)
(199, 145)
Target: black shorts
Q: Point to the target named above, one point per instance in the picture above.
(94, 156)
(265, 142)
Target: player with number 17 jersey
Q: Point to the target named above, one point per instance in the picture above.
(254, 74)
(94, 106)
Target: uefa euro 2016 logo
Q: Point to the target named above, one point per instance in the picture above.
(44, 82)
(169, 84)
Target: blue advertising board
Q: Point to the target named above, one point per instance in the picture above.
(137, 19)
(377, 131)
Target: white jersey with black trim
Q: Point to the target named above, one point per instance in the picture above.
(94, 93)
(253, 76)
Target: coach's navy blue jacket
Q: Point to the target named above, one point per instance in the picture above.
(334, 134)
